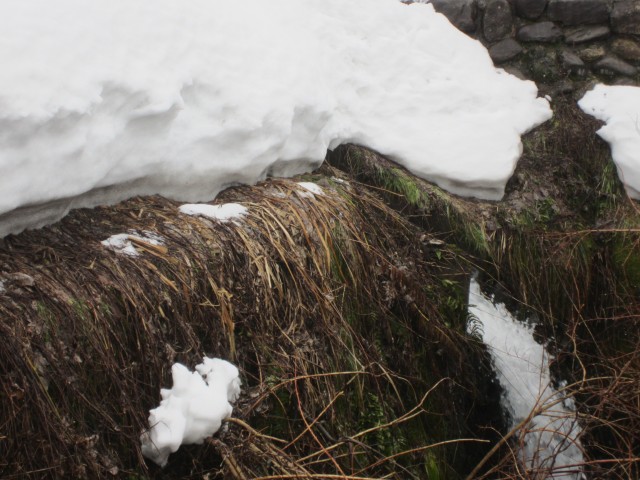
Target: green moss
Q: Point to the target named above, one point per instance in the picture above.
(44, 313)
(540, 216)
(474, 237)
(397, 181)
(542, 64)
(435, 201)
(80, 308)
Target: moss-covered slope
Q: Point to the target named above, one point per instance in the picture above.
(564, 247)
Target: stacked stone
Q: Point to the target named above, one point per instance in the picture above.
(555, 41)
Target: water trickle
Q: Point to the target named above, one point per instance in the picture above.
(549, 435)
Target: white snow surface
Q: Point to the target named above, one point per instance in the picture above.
(193, 409)
(108, 99)
(222, 213)
(619, 108)
(121, 242)
(551, 441)
(312, 189)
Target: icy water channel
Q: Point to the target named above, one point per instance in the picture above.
(548, 439)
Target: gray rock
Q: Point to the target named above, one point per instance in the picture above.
(625, 82)
(573, 63)
(585, 33)
(461, 13)
(497, 21)
(570, 59)
(578, 12)
(531, 9)
(516, 72)
(505, 50)
(611, 66)
(540, 32)
(625, 17)
(592, 53)
(627, 49)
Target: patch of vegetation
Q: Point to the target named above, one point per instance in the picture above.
(350, 343)
(563, 245)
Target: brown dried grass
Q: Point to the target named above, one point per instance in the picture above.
(331, 305)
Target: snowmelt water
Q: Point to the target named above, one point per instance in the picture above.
(112, 98)
(550, 435)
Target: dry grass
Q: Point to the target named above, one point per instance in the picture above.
(346, 313)
(348, 326)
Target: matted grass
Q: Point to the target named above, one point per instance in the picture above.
(347, 321)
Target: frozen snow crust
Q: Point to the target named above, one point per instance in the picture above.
(107, 99)
(193, 409)
(619, 108)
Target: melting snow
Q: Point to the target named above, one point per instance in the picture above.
(121, 243)
(619, 108)
(312, 189)
(113, 98)
(193, 409)
(222, 213)
(551, 441)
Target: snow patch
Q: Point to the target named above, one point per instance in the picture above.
(113, 98)
(122, 242)
(312, 189)
(619, 108)
(221, 213)
(193, 409)
(552, 437)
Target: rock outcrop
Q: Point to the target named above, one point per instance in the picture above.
(543, 39)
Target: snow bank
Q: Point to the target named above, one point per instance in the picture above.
(105, 99)
(222, 213)
(552, 438)
(619, 108)
(193, 409)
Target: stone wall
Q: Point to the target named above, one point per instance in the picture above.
(561, 44)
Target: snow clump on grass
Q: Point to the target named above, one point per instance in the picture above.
(193, 409)
(312, 189)
(123, 242)
(221, 213)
